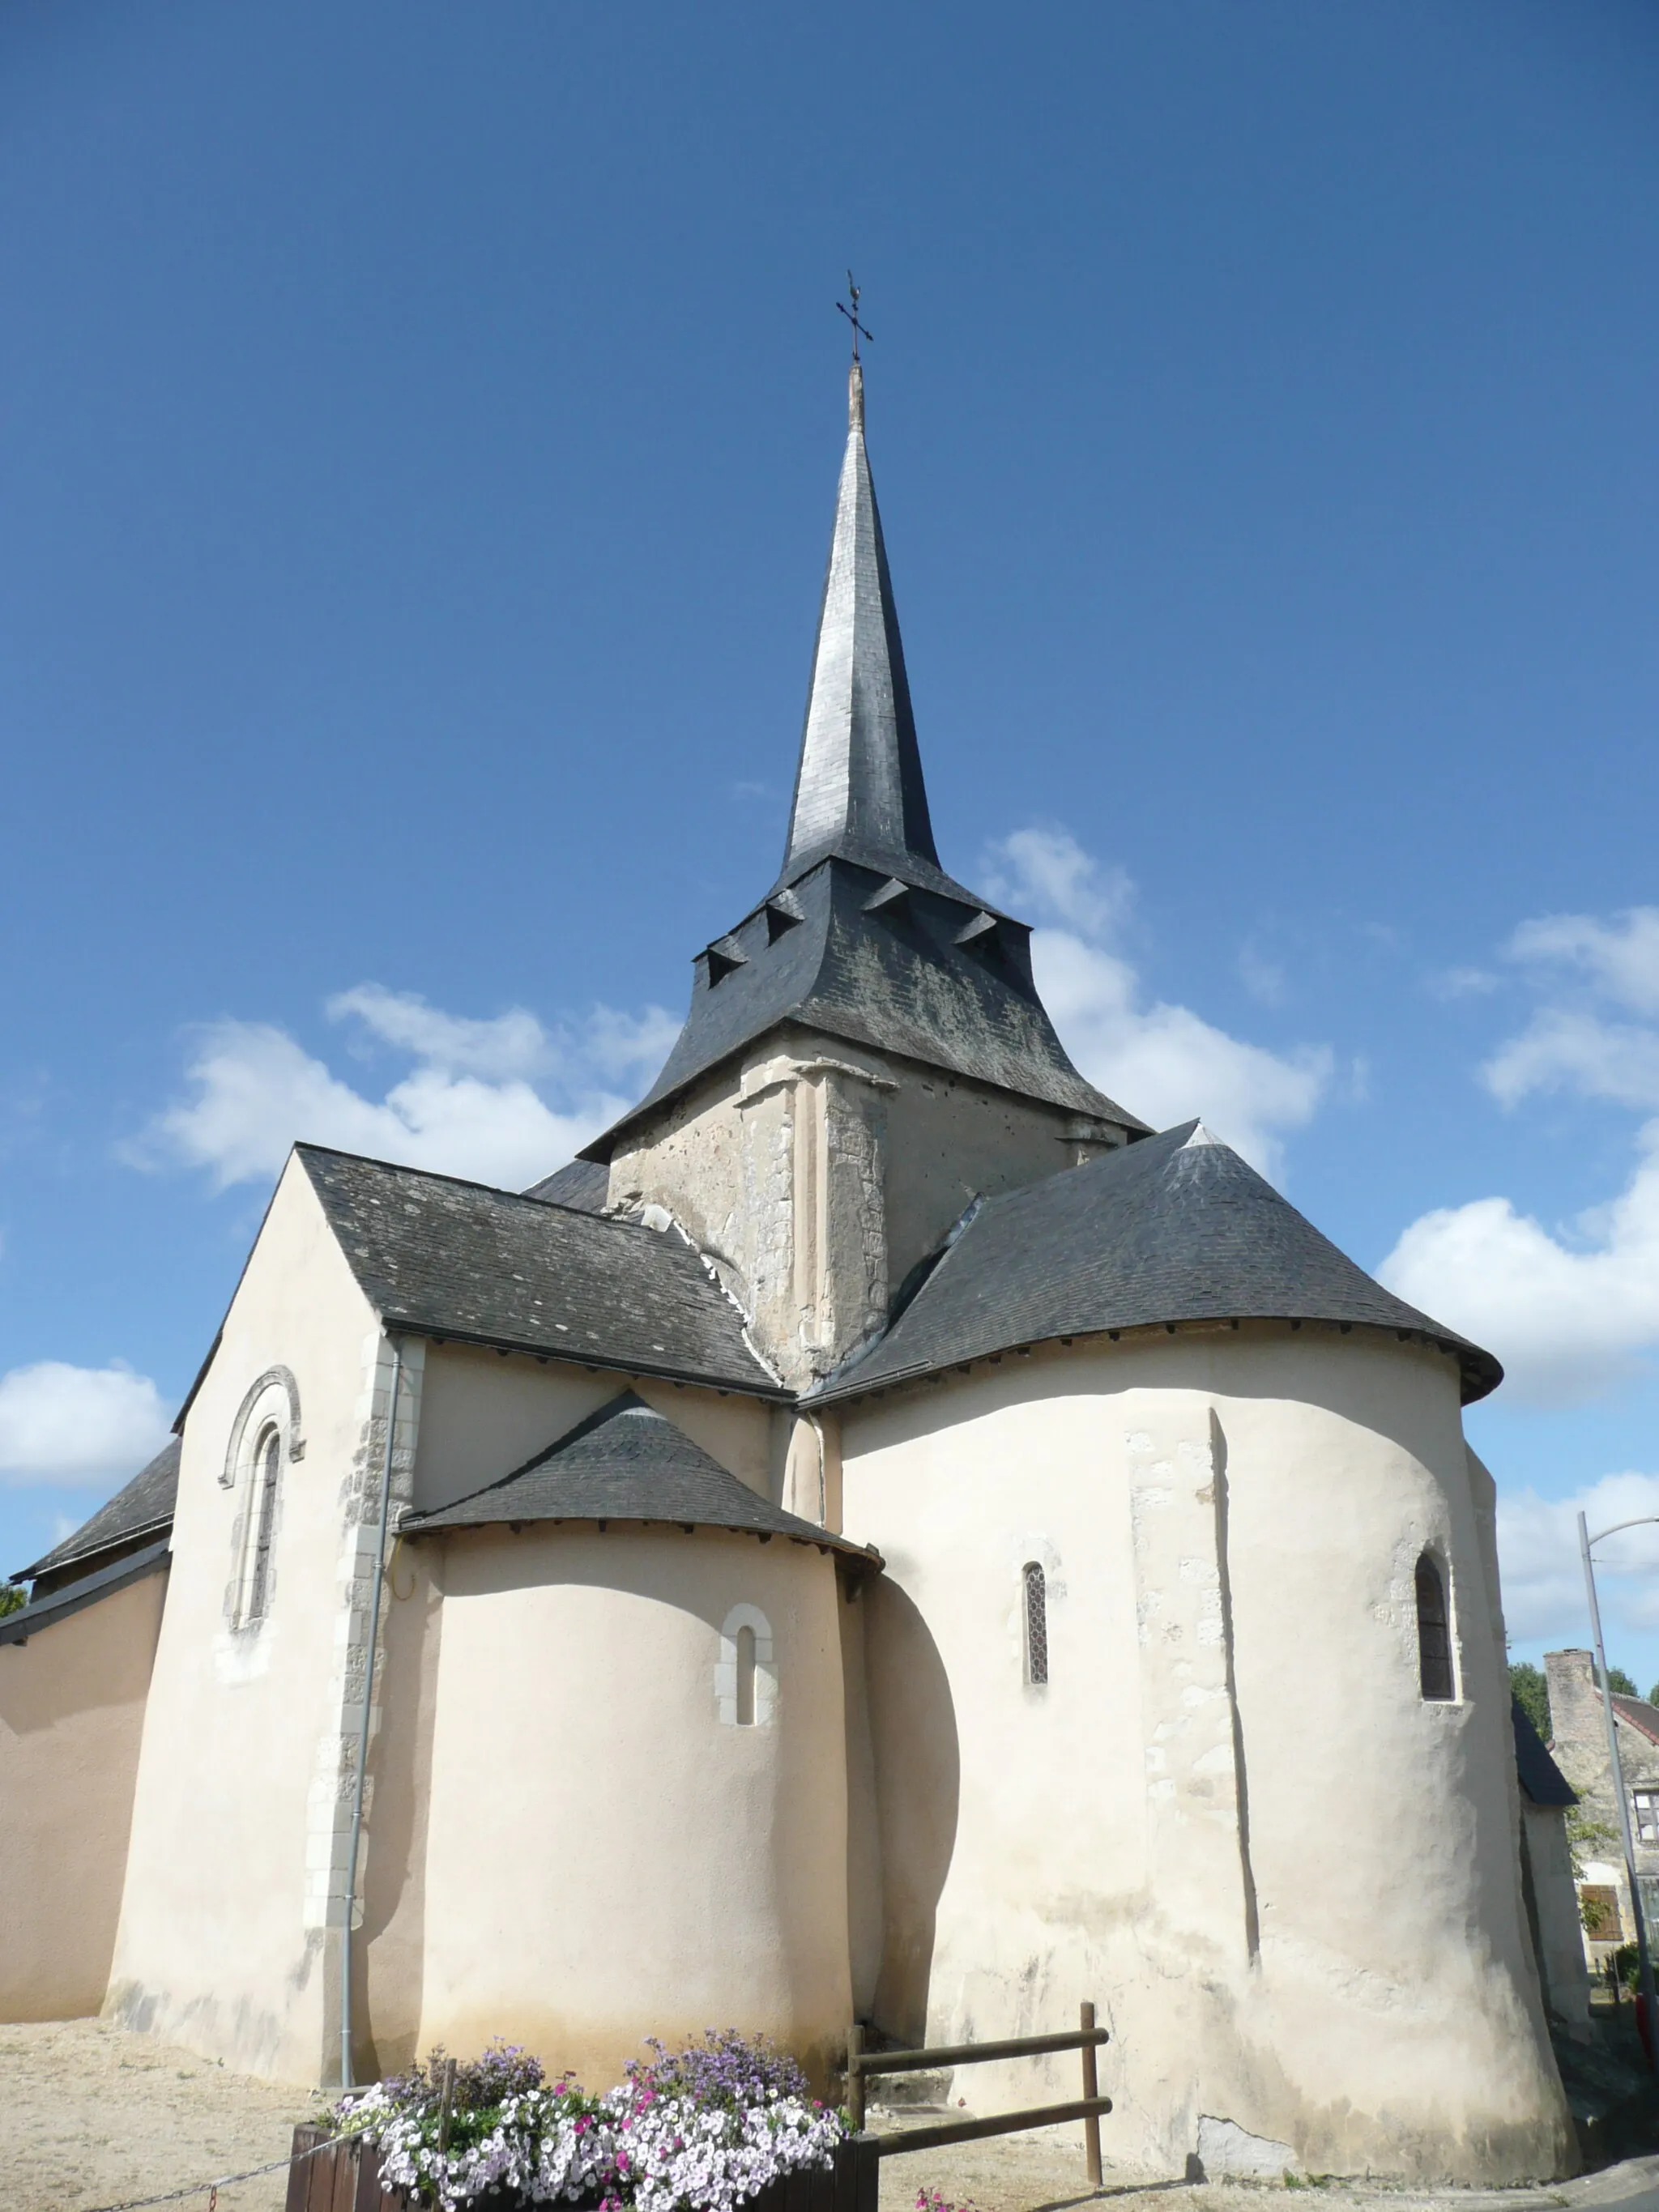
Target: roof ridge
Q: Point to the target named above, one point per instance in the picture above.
(470, 1182)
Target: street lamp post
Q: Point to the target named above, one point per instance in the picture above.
(1586, 1545)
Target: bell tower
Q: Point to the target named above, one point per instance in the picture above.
(865, 1051)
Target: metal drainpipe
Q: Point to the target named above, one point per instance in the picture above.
(347, 2080)
(1644, 1965)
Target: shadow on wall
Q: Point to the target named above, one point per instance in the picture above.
(913, 1726)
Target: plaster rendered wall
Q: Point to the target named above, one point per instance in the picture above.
(1290, 1883)
(483, 1415)
(607, 1858)
(71, 1713)
(219, 1947)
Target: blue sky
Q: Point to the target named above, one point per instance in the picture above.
(422, 432)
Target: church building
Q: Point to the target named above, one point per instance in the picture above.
(885, 1536)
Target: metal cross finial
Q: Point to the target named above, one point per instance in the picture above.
(852, 315)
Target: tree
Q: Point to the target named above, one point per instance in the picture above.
(12, 1600)
(1618, 1680)
(1532, 1694)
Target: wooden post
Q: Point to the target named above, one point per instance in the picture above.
(855, 2078)
(449, 2099)
(1091, 2089)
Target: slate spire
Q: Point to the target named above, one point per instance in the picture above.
(859, 790)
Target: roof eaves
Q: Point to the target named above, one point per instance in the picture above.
(605, 1363)
(18, 1627)
(839, 1390)
(50, 1562)
(824, 1539)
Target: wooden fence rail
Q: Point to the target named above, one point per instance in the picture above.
(1086, 2038)
(344, 2176)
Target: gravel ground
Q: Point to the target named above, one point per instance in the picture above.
(95, 2116)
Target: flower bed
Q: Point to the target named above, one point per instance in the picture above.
(703, 2130)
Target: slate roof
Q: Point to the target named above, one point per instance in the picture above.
(458, 1259)
(74, 1597)
(1542, 1780)
(898, 980)
(1176, 1228)
(144, 1507)
(858, 788)
(584, 1185)
(864, 936)
(628, 1462)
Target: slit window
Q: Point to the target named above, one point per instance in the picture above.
(262, 1524)
(1434, 1651)
(746, 1641)
(1037, 1624)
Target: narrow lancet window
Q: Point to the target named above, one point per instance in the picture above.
(262, 1508)
(1037, 1624)
(1434, 1651)
(745, 1678)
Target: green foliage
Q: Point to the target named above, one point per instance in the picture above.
(12, 1600)
(1586, 1838)
(1620, 1680)
(1532, 1694)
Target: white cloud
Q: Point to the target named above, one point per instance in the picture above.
(469, 1107)
(1570, 1049)
(1048, 871)
(1570, 1308)
(1567, 1314)
(1452, 984)
(1544, 1599)
(1579, 962)
(1618, 959)
(1162, 1062)
(71, 1426)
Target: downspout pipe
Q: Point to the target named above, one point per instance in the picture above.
(347, 2077)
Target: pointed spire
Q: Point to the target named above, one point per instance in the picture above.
(859, 789)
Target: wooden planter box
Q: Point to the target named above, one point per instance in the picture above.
(346, 2177)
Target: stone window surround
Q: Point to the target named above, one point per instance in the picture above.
(271, 1403)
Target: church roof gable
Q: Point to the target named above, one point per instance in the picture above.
(628, 1462)
(1177, 1228)
(445, 1258)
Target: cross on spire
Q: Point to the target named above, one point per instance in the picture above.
(852, 315)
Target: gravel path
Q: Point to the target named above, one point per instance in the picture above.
(95, 2115)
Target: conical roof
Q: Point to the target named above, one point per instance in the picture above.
(859, 789)
(1176, 1228)
(864, 936)
(628, 1462)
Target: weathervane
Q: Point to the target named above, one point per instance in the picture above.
(852, 315)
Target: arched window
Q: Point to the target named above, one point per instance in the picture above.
(1434, 1651)
(1036, 1623)
(745, 1674)
(746, 1677)
(262, 1522)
